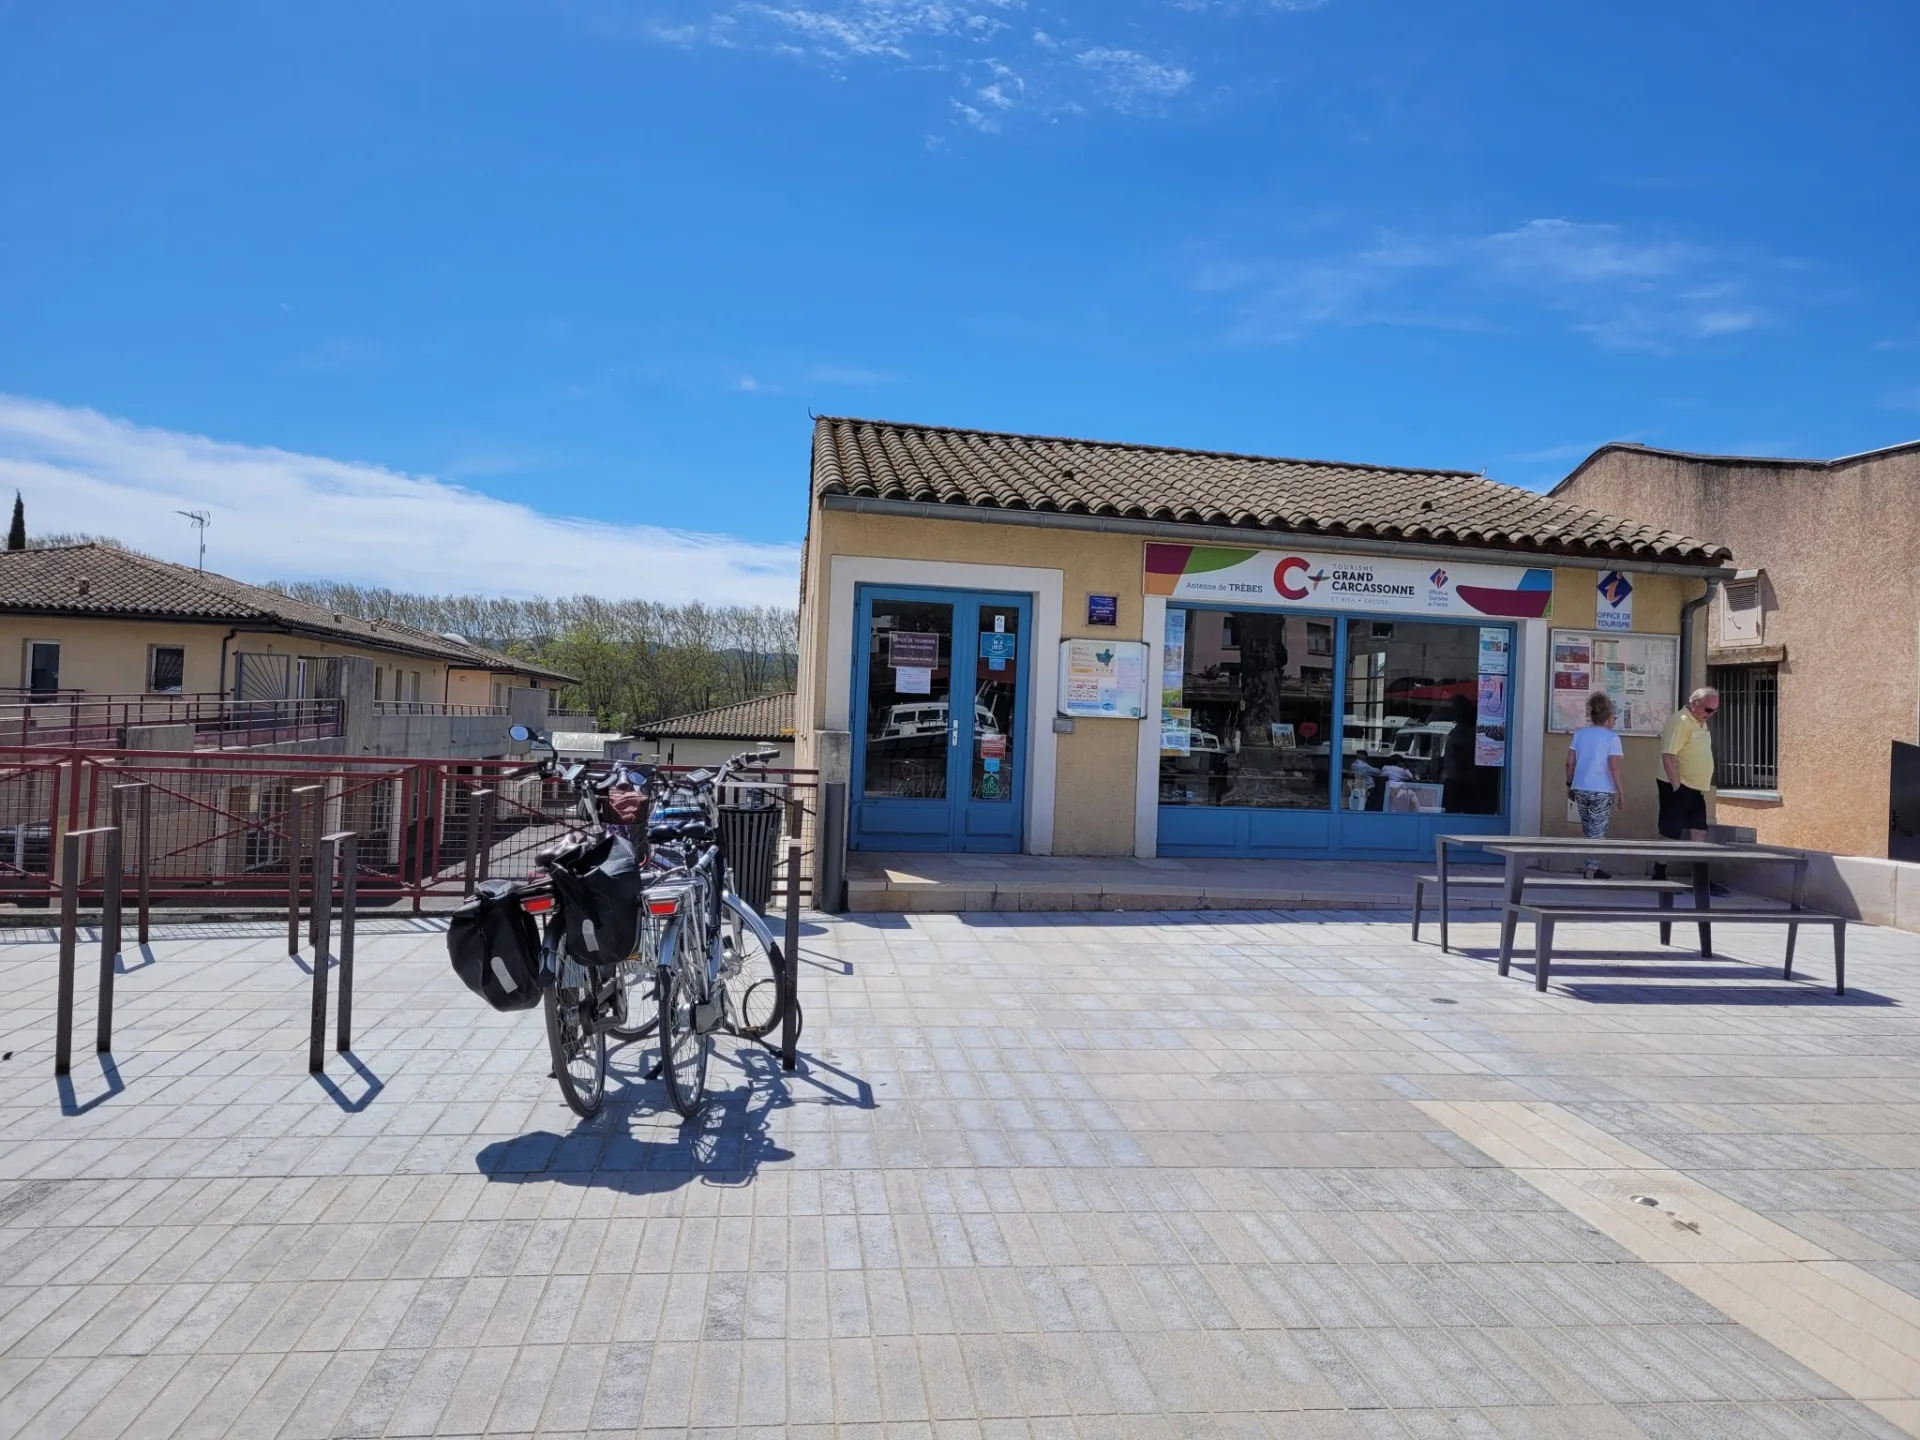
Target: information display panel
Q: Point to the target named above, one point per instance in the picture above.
(1636, 671)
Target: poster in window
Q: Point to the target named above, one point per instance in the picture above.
(912, 680)
(913, 648)
(1493, 700)
(1490, 745)
(1173, 661)
(1494, 642)
(1176, 731)
(1282, 735)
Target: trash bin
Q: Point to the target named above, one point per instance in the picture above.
(751, 835)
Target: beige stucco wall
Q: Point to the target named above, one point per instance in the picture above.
(1657, 600)
(106, 656)
(1841, 549)
(1095, 765)
(109, 656)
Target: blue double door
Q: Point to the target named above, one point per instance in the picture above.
(940, 719)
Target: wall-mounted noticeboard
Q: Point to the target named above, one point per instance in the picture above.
(1637, 671)
(1103, 679)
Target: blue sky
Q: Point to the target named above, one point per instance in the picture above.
(577, 270)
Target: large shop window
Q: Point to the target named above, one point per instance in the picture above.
(1254, 713)
(1426, 727)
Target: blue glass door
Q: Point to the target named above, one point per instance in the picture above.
(939, 716)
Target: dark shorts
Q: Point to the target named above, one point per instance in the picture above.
(1681, 809)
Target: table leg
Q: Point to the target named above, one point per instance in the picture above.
(1799, 896)
(1542, 951)
(1440, 868)
(1509, 917)
(1840, 957)
(1665, 902)
(1419, 900)
(1703, 900)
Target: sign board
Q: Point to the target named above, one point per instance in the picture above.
(1613, 602)
(1103, 609)
(1103, 678)
(997, 647)
(1305, 580)
(1637, 671)
(917, 648)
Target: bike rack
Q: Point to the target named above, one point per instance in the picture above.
(343, 847)
(144, 860)
(71, 847)
(789, 1010)
(296, 814)
(479, 837)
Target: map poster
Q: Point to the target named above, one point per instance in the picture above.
(1103, 678)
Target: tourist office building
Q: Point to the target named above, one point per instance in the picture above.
(1023, 644)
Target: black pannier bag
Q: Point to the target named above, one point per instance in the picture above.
(495, 948)
(602, 903)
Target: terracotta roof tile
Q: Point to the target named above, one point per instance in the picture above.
(984, 469)
(765, 717)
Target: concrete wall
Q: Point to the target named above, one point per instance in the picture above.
(1096, 766)
(1840, 546)
(709, 752)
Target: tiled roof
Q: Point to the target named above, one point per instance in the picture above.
(105, 581)
(986, 470)
(765, 717)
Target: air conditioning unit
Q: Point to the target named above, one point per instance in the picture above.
(1741, 613)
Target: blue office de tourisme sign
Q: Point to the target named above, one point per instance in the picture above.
(997, 647)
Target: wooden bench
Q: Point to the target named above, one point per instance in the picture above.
(1665, 889)
(1545, 917)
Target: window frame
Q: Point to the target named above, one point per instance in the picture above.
(1746, 729)
(153, 654)
(27, 668)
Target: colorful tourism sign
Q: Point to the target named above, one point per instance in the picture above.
(1303, 580)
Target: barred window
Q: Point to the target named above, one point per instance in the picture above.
(1746, 731)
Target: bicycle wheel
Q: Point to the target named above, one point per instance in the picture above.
(683, 1051)
(579, 1052)
(638, 978)
(752, 974)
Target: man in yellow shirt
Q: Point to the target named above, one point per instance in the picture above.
(1686, 764)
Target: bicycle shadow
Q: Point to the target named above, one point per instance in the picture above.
(638, 1144)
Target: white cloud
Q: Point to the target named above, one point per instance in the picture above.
(993, 63)
(1622, 290)
(281, 515)
(1133, 80)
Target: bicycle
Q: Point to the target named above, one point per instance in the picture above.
(719, 969)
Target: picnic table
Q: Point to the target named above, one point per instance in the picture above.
(1518, 853)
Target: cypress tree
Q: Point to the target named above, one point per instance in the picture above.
(17, 531)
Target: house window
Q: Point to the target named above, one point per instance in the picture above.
(1319, 638)
(319, 677)
(379, 681)
(1746, 729)
(43, 666)
(413, 685)
(166, 669)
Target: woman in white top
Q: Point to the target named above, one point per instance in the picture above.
(1593, 773)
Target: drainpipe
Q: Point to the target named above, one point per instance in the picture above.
(225, 641)
(1687, 612)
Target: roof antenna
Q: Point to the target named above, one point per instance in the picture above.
(199, 519)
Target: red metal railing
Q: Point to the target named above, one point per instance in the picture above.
(220, 826)
(74, 719)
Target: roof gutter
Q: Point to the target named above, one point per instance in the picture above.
(1234, 535)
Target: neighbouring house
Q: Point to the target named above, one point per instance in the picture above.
(1021, 643)
(97, 642)
(708, 737)
(1814, 644)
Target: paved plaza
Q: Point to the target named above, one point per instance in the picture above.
(1168, 1175)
